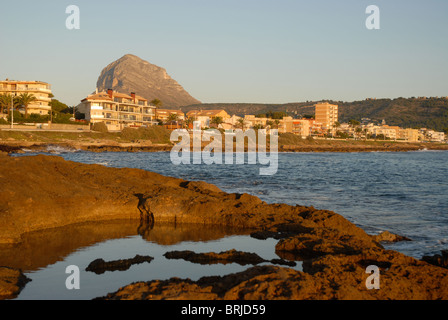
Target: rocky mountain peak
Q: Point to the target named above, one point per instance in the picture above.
(133, 74)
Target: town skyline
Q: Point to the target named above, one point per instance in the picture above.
(232, 52)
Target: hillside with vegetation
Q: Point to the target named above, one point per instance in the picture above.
(429, 113)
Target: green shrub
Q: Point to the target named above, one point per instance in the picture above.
(18, 117)
(62, 118)
(100, 127)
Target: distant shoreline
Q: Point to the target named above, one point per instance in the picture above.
(143, 146)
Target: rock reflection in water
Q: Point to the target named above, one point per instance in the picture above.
(42, 248)
(171, 234)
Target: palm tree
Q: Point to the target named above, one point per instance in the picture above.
(358, 130)
(189, 121)
(335, 126)
(217, 121)
(156, 102)
(365, 133)
(25, 99)
(241, 123)
(5, 102)
(173, 117)
(276, 123)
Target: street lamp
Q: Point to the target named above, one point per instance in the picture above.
(12, 110)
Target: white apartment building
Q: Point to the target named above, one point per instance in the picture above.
(40, 90)
(117, 110)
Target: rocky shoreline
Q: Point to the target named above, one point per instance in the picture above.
(43, 192)
(147, 146)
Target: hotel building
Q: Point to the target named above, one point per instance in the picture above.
(41, 90)
(327, 115)
(117, 110)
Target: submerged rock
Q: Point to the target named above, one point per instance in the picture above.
(100, 266)
(225, 257)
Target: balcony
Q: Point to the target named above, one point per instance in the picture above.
(128, 118)
(26, 89)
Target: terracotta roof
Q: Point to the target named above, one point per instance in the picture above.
(121, 95)
(140, 98)
(204, 112)
(127, 96)
(98, 96)
(105, 96)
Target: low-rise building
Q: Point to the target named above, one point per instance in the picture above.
(117, 110)
(302, 127)
(410, 135)
(208, 113)
(164, 114)
(285, 125)
(205, 117)
(385, 131)
(435, 136)
(253, 121)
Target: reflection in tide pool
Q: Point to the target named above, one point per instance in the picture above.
(74, 245)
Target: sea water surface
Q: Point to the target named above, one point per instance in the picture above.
(402, 192)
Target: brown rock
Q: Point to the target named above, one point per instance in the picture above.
(322, 241)
(12, 282)
(437, 259)
(386, 236)
(330, 277)
(339, 278)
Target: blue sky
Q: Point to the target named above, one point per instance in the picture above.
(235, 50)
